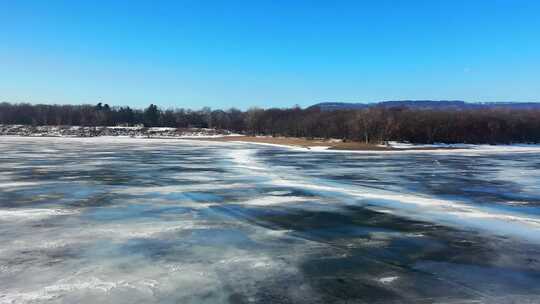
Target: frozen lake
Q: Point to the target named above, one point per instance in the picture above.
(118, 220)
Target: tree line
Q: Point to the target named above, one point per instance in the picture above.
(370, 125)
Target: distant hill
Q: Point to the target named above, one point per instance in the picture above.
(426, 105)
(331, 106)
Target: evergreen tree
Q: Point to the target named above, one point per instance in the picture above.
(151, 116)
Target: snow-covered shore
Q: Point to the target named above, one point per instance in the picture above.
(227, 136)
(502, 148)
(396, 147)
(83, 131)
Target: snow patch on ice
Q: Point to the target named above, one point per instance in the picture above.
(275, 200)
(32, 214)
(388, 280)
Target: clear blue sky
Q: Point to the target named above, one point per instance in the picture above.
(268, 53)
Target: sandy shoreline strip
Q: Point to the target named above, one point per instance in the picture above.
(314, 144)
(323, 145)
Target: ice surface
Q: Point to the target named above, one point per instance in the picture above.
(122, 220)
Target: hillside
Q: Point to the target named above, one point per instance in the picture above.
(427, 104)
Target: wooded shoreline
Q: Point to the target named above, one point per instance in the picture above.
(373, 125)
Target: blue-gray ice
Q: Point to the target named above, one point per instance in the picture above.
(120, 220)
